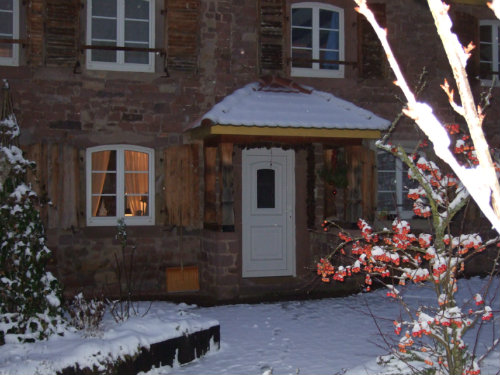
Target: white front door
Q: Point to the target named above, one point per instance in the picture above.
(268, 209)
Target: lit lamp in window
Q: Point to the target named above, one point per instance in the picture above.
(144, 205)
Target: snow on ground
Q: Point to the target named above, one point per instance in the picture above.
(163, 321)
(328, 336)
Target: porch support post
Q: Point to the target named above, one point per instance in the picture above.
(227, 191)
(210, 211)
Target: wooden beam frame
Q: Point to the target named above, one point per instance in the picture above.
(207, 131)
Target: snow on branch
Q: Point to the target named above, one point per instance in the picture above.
(495, 7)
(481, 182)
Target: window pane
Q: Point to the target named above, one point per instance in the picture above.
(6, 26)
(328, 19)
(386, 161)
(485, 33)
(136, 161)
(486, 52)
(302, 17)
(137, 31)
(104, 29)
(387, 181)
(329, 39)
(103, 183)
(265, 188)
(301, 58)
(103, 55)
(329, 55)
(136, 205)
(6, 4)
(485, 70)
(104, 206)
(386, 202)
(136, 183)
(136, 57)
(104, 8)
(302, 38)
(138, 9)
(104, 161)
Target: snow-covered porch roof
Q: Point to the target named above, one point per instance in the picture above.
(279, 107)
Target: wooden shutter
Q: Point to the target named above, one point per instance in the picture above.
(182, 186)
(182, 34)
(35, 26)
(56, 178)
(61, 32)
(466, 27)
(271, 35)
(372, 62)
(361, 188)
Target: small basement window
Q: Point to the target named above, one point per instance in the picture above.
(120, 184)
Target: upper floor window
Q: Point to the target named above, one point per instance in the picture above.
(393, 184)
(127, 24)
(9, 29)
(489, 50)
(120, 184)
(317, 40)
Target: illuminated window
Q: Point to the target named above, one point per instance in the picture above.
(120, 23)
(120, 184)
(317, 40)
(9, 29)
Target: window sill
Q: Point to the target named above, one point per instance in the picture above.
(113, 221)
(317, 73)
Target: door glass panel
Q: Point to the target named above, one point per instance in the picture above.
(266, 188)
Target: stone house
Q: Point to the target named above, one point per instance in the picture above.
(223, 132)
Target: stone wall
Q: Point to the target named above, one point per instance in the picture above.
(86, 259)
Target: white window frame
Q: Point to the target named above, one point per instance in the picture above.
(399, 170)
(120, 64)
(495, 53)
(316, 70)
(14, 60)
(120, 187)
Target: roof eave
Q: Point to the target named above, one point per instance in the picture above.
(278, 131)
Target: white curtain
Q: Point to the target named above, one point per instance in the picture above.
(136, 182)
(100, 161)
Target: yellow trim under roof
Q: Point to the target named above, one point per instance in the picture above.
(277, 131)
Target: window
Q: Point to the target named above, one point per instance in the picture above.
(489, 50)
(127, 24)
(317, 40)
(120, 184)
(393, 184)
(9, 29)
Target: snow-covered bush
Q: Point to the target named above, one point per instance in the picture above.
(30, 296)
(86, 315)
(127, 277)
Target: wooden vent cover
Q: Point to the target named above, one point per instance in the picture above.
(183, 279)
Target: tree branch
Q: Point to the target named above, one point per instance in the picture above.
(481, 182)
